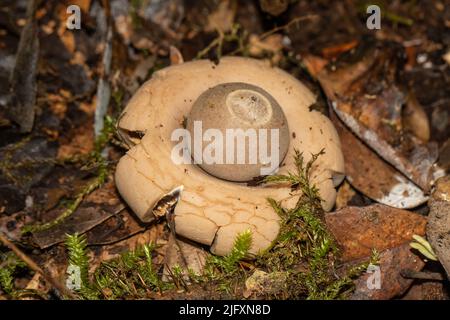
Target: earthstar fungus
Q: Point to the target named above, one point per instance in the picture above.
(213, 208)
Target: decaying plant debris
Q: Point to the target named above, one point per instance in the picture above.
(61, 95)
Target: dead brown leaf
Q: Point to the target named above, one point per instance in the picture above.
(393, 284)
(380, 181)
(359, 230)
(366, 96)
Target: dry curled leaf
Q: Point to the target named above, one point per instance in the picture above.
(380, 181)
(366, 96)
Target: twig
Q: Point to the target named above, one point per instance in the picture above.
(104, 87)
(395, 18)
(286, 26)
(128, 236)
(177, 279)
(231, 36)
(389, 15)
(216, 42)
(23, 77)
(411, 274)
(107, 7)
(33, 266)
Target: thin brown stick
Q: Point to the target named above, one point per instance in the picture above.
(286, 26)
(421, 275)
(34, 266)
(107, 7)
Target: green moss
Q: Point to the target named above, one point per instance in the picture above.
(229, 263)
(76, 247)
(237, 37)
(10, 265)
(305, 250)
(226, 272)
(132, 275)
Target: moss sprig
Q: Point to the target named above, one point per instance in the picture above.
(10, 265)
(226, 272)
(305, 250)
(229, 263)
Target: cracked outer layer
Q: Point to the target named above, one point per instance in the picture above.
(213, 211)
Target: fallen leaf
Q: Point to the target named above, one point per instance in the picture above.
(359, 230)
(79, 222)
(97, 208)
(392, 284)
(366, 97)
(23, 81)
(120, 227)
(154, 234)
(380, 181)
